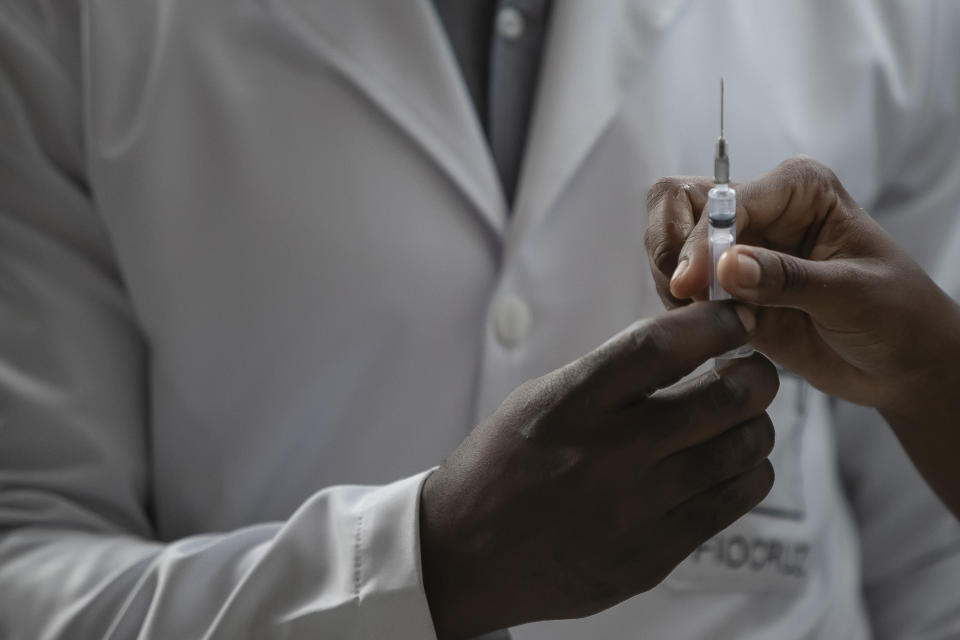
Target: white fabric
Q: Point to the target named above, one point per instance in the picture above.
(249, 251)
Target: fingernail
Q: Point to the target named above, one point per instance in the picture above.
(747, 317)
(748, 271)
(680, 270)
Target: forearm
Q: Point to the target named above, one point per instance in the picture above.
(927, 420)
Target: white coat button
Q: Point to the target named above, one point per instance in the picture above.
(510, 23)
(512, 320)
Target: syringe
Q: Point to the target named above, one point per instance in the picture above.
(722, 221)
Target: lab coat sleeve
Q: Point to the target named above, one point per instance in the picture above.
(78, 555)
(910, 543)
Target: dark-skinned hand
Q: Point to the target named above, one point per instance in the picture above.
(839, 302)
(590, 484)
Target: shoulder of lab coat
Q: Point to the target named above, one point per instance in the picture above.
(78, 558)
(910, 543)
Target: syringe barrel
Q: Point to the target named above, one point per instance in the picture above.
(722, 234)
(722, 224)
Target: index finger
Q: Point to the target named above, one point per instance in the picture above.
(674, 206)
(656, 352)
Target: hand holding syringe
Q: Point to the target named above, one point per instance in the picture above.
(838, 302)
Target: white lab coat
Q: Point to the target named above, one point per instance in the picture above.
(257, 277)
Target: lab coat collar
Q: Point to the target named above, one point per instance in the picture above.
(592, 52)
(398, 55)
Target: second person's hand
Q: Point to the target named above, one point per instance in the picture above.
(840, 302)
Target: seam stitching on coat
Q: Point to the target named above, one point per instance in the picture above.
(357, 556)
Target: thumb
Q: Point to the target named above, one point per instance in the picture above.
(774, 279)
(692, 275)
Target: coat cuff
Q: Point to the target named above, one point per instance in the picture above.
(387, 573)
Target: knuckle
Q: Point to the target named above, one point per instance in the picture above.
(812, 176)
(728, 391)
(823, 175)
(647, 339)
(575, 377)
(670, 189)
(735, 498)
(795, 165)
(762, 482)
(650, 239)
(755, 485)
(766, 383)
(760, 438)
(660, 189)
(768, 435)
(568, 467)
(772, 379)
(746, 491)
(714, 466)
(527, 388)
(806, 168)
(795, 276)
(730, 455)
(523, 397)
(532, 405)
(663, 255)
(730, 503)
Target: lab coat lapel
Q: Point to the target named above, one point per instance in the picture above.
(591, 52)
(398, 54)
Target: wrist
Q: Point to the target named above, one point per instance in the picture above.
(929, 392)
(927, 422)
(456, 603)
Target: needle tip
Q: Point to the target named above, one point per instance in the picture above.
(721, 106)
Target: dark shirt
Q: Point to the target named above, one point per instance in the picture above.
(499, 44)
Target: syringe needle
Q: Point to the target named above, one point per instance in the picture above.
(721, 162)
